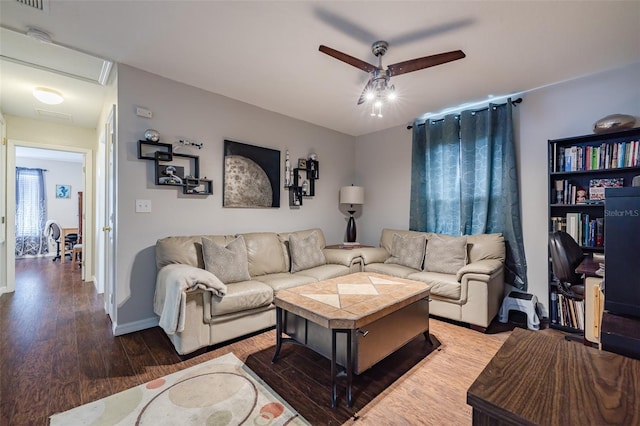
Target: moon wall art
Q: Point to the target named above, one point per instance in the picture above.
(251, 176)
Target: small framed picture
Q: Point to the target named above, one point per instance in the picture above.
(63, 191)
(302, 163)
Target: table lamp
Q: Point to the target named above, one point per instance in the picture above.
(351, 195)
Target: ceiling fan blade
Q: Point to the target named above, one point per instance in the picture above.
(425, 62)
(364, 66)
(367, 87)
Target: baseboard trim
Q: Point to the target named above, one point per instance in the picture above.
(130, 327)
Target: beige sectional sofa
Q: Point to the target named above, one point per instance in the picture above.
(466, 274)
(213, 288)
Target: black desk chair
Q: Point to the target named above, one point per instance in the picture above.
(566, 255)
(69, 241)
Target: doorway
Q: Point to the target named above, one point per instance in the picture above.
(87, 207)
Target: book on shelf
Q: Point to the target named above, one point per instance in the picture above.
(573, 226)
(609, 155)
(597, 186)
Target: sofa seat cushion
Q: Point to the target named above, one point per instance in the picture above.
(324, 272)
(242, 296)
(442, 285)
(284, 280)
(390, 269)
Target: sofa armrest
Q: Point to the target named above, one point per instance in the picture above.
(373, 255)
(339, 256)
(485, 267)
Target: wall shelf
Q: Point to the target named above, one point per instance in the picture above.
(175, 169)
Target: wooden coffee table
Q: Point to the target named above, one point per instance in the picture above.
(355, 320)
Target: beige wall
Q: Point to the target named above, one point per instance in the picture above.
(25, 129)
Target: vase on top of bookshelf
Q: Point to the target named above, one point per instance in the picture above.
(580, 168)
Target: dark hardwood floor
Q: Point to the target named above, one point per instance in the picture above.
(57, 351)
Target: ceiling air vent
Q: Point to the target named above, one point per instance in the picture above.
(42, 5)
(54, 116)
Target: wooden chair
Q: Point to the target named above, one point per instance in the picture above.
(76, 256)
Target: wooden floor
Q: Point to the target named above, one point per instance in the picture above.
(57, 351)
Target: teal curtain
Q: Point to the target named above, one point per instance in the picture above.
(465, 182)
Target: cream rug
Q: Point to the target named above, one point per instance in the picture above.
(222, 391)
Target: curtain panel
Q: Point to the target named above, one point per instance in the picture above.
(31, 212)
(464, 181)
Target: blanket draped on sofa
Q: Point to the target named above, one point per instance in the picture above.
(178, 279)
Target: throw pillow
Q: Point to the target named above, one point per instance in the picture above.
(228, 263)
(407, 250)
(305, 252)
(445, 255)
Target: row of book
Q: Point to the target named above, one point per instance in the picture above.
(565, 192)
(567, 312)
(606, 156)
(587, 231)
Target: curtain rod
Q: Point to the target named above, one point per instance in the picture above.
(514, 102)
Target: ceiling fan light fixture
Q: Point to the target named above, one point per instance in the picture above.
(48, 96)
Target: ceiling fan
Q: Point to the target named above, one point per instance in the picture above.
(378, 88)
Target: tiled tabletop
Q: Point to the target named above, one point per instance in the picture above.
(351, 301)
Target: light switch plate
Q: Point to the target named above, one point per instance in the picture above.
(143, 206)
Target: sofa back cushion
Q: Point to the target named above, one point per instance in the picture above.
(445, 254)
(284, 238)
(485, 246)
(185, 250)
(227, 262)
(407, 250)
(265, 253)
(305, 252)
(386, 239)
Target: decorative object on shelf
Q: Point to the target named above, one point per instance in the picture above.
(313, 156)
(189, 142)
(151, 135)
(305, 187)
(287, 170)
(251, 176)
(170, 175)
(614, 122)
(63, 191)
(351, 195)
(302, 163)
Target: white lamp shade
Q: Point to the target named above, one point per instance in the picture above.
(352, 195)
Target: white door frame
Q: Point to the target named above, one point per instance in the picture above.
(87, 208)
(108, 235)
(3, 201)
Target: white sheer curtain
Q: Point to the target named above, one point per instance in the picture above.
(31, 212)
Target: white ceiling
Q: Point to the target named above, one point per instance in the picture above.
(266, 53)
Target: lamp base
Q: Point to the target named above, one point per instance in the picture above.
(351, 228)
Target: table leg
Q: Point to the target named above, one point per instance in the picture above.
(349, 368)
(333, 368)
(278, 333)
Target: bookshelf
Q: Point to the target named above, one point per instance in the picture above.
(579, 169)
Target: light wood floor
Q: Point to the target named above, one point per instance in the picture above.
(57, 351)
